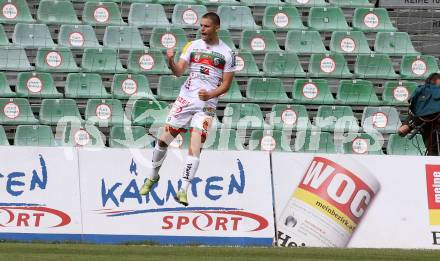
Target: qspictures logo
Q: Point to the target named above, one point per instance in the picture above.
(433, 189)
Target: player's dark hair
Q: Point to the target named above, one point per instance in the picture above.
(213, 16)
(432, 78)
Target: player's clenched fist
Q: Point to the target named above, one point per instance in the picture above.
(170, 53)
(204, 95)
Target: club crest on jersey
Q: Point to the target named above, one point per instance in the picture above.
(216, 61)
(197, 57)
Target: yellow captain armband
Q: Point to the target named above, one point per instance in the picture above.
(186, 47)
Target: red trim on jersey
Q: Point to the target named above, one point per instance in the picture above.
(207, 62)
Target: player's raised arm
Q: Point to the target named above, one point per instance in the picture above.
(179, 68)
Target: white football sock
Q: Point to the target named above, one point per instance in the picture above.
(189, 171)
(159, 155)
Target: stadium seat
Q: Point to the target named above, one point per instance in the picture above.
(219, 2)
(165, 38)
(169, 87)
(372, 20)
(55, 60)
(314, 142)
(34, 135)
(5, 89)
(398, 92)
(288, 117)
(173, 2)
(41, 85)
(261, 2)
(4, 40)
(312, 91)
(126, 86)
(282, 65)
(148, 113)
(382, 119)
(327, 19)
(357, 92)
(418, 66)
(85, 85)
(223, 139)
(304, 42)
(403, 146)
(233, 94)
(242, 116)
(336, 119)
(15, 111)
(350, 42)
(15, 11)
(394, 43)
(77, 36)
(147, 62)
(147, 15)
(246, 65)
(236, 17)
(351, 3)
(130, 137)
(56, 12)
(374, 66)
(105, 113)
(307, 3)
(102, 14)
(269, 140)
(188, 16)
(328, 65)
(123, 37)
(59, 112)
(266, 90)
(3, 139)
(14, 59)
(259, 41)
(364, 144)
(282, 18)
(32, 36)
(101, 60)
(224, 35)
(78, 135)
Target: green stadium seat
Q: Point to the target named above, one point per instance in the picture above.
(398, 92)
(288, 117)
(307, 3)
(34, 135)
(32, 36)
(403, 146)
(123, 37)
(246, 65)
(282, 65)
(418, 66)
(372, 20)
(147, 62)
(85, 85)
(269, 140)
(236, 17)
(16, 111)
(5, 89)
(374, 66)
(15, 11)
(312, 91)
(266, 90)
(149, 113)
(55, 60)
(4, 40)
(259, 41)
(41, 85)
(336, 119)
(59, 111)
(79, 135)
(102, 14)
(282, 18)
(243, 116)
(394, 43)
(3, 139)
(382, 119)
(364, 144)
(233, 94)
(261, 2)
(219, 2)
(224, 35)
(314, 142)
(127, 86)
(350, 42)
(223, 139)
(173, 2)
(328, 65)
(130, 137)
(327, 19)
(105, 113)
(188, 16)
(304, 42)
(351, 3)
(77, 36)
(56, 12)
(147, 15)
(14, 59)
(101, 60)
(356, 92)
(169, 87)
(165, 38)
